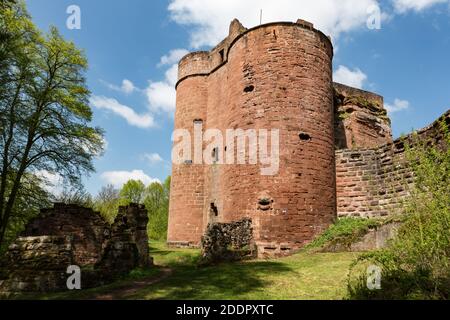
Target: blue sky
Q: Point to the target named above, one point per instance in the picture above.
(133, 46)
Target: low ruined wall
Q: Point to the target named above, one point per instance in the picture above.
(71, 235)
(228, 241)
(36, 264)
(375, 182)
(87, 228)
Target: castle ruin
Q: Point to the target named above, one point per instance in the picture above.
(331, 138)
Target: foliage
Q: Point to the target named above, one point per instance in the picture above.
(107, 203)
(31, 199)
(132, 192)
(417, 263)
(155, 197)
(75, 195)
(44, 111)
(157, 204)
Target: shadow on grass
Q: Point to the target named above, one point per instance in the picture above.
(223, 281)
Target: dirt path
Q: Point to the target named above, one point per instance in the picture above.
(131, 288)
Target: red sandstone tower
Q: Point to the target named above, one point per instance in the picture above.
(274, 76)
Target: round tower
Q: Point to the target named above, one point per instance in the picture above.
(187, 183)
(280, 80)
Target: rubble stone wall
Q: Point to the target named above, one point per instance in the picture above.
(361, 121)
(71, 235)
(228, 241)
(375, 182)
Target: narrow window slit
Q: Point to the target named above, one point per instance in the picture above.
(214, 210)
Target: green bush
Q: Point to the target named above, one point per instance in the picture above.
(157, 204)
(416, 265)
(155, 197)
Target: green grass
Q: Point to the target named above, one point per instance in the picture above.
(303, 276)
(306, 275)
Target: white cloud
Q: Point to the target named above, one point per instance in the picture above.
(161, 95)
(134, 119)
(210, 19)
(153, 158)
(173, 57)
(354, 78)
(398, 105)
(119, 178)
(52, 182)
(127, 86)
(402, 6)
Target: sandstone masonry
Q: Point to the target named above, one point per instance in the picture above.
(374, 182)
(279, 76)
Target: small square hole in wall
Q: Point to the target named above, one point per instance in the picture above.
(222, 55)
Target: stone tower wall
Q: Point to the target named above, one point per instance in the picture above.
(187, 183)
(289, 68)
(275, 76)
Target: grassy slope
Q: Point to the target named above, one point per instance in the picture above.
(306, 275)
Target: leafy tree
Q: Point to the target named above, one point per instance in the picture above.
(44, 110)
(28, 204)
(107, 202)
(132, 192)
(75, 195)
(157, 204)
(155, 196)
